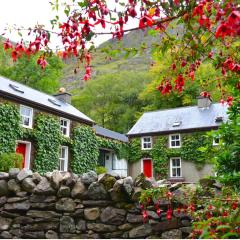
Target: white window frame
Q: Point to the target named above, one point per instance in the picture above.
(142, 143)
(66, 127)
(64, 159)
(30, 117)
(171, 167)
(214, 141)
(170, 140)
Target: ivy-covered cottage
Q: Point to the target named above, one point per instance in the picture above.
(49, 132)
(170, 143)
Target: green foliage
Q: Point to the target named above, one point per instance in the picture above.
(10, 129)
(84, 150)
(48, 139)
(135, 152)
(100, 170)
(10, 160)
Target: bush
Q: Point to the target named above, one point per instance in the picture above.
(10, 160)
(100, 170)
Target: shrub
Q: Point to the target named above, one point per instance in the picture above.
(10, 160)
(100, 170)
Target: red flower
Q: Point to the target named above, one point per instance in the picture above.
(145, 21)
(7, 45)
(223, 30)
(169, 214)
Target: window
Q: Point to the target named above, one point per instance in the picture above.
(26, 116)
(216, 141)
(65, 126)
(175, 167)
(63, 159)
(175, 141)
(146, 143)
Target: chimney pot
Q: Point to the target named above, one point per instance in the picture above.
(63, 96)
(204, 102)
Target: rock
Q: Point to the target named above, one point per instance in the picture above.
(81, 225)
(96, 203)
(43, 206)
(79, 190)
(99, 227)
(5, 223)
(67, 225)
(207, 182)
(89, 177)
(42, 198)
(112, 235)
(186, 222)
(218, 185)
(96, 191)
(125, 227)
(3, 188)
(9, 214)
(118, 193)
(23, 220)
(44, 187)
(28, 185)
(107, 180)
(48, 175)
(13, 186)
(50, 234)
(16, 199)
(141, 231)
(116, 175)
(24, 173)
(78, 213)
(42, 214)
(165, 225)
(113, 216)
(173, 234)
(16, 232)
(162, 181)
(39, 226)
(64, 191)
(21, 194)
(175, 186)
(13, 172)
(128, 185)
(136, 194)
(187, 230)
(153, 215)
(142, 181)
(56, 179)
(3, 200)
(5, 235)
(34, 235)
(4, 176)
(66, 205)
(180, 194)
(132, 218)
(18, 206)
(91, 213)
(36, 177)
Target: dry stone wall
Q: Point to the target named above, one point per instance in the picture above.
(64, 205)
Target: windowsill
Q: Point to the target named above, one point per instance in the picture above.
(176, 179)
(146, 149)
(174, 147)
(28, 127)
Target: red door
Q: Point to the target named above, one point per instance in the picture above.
(147, 167)
(21, 148)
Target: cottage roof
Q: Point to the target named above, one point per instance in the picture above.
(110, 134)
(22, 93)
(180, 119)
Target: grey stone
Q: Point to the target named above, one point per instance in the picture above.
(162, 181)
(172, 234)
(99, 227)
(187, 230)
(91, 213)
(43, 206)
(96, 191)
(166, 225)
(16, 199)
(3, 200)
(42, 214)
(13, 172)
(128, 185)
(125, 227)
(111, 235)
(153, 215)
(89, 177)
(81, 225)
(48, 175)
(141, 231)
(67, 225)
(17, 206)
(118, 193)
(97, 203)
(24, 173)
(136, 194)
(21, 194)
(5, 223)
(22, 220)
(3, 188)
(42, 198)
(78, 190)
(115, 175)
(186, 222)
(207, 182)
(4, 176)
(50, 234)
(28, 185)
(64, 191)
(113, 216)
(107, 180)
(40, 226)
(181, 193)
(218, 185)
(143, 182)
(36, 177)
(132, 218)
(78, 213)
(66, 205)
(175, 186)
(56, 179)
(9, 214)
(34, 235)
(16, 232)
(13, 186)
(6, 235)
(44, 187)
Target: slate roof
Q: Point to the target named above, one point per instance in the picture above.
(21, 92)
(110, 134)
(190, 118)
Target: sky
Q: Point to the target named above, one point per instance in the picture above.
(27, 13)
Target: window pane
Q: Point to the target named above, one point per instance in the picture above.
(61, 167)
(177, 143)
(178, 172)
(174, 172)
(25, 121)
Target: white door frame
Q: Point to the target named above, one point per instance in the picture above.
(28, 153)
(142, 164)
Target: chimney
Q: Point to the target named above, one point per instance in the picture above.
(63, 96)
(204, 102)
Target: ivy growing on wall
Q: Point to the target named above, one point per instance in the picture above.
(48, 140)
(10, 128)
(85, 150)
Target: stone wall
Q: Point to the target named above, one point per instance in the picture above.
(68, 206)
